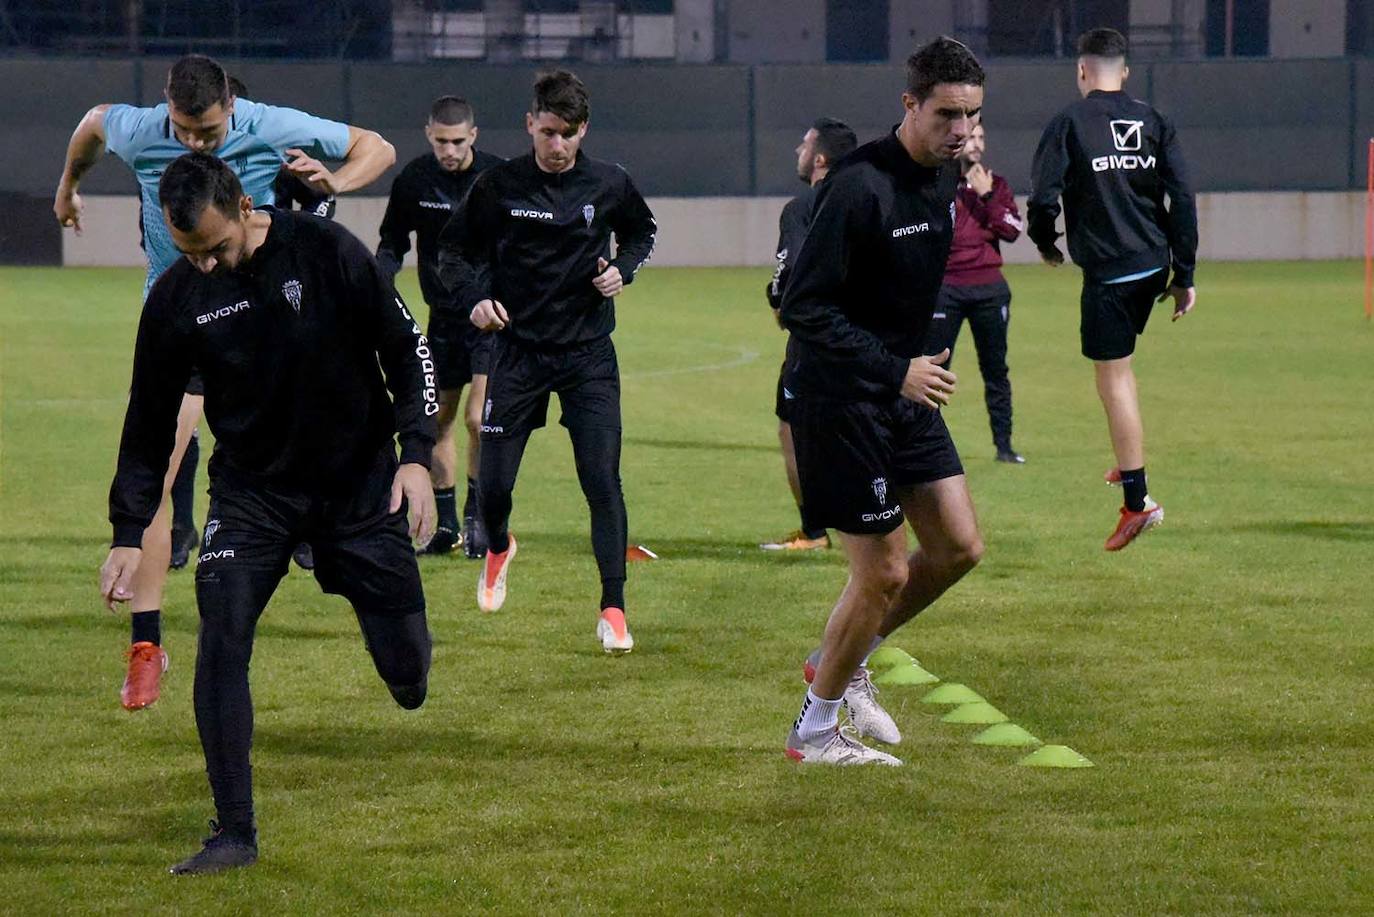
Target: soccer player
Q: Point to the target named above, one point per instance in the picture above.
(200, 114)
(291, 325)
(529, 257)
(1114, 159)
(985, 216)
(825, 143)
(426, 194)
(872, 448)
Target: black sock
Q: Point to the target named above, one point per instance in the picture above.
(613, 593)
(446, 502)
(470, 501)
(1133, 483)
(184, 487)
(147, 627)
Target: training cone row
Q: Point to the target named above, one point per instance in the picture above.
(891, 666)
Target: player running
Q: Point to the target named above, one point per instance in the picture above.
(872, 447)
(529, 256)
(287, 318)
(429, 190)
(825, 143)
(1114, 159)
(200, 114)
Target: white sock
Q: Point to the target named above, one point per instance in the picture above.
(818, 717)
(877, 642)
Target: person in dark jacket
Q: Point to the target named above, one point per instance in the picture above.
(974, 288)
(872, 448)
(424, 197)
(823, 145)
(291, 325)
(1114, 161)
(529, 258)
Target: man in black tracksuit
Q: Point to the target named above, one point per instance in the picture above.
(529, 257)
(424, 197)
(824, 144)
(286, 317)
(1114, 160)
(871, 444)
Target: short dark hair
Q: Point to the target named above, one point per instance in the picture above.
(1102, 43)
(452, 110)
(193, 182)
(236, 87)
(834, 139)
(943, 60)
(197, 83)
(561, 93)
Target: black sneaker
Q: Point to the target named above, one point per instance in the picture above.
(474, 539)
(221, 851)
(1010, 456)
(184, 543)
(304, 556)
(443, 542)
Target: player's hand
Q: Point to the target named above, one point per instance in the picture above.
(979, 179)
(927, 382)
(489, 315)
(777, 317)
(117, 575)
(1184, 300)
(1052, 256)
(607, 281)
(412, 485)
(67, 207)
(312, 172)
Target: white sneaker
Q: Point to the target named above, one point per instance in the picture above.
(838, 747)
(613, 633)
(868, 717)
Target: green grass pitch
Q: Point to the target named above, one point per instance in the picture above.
(1218, 672)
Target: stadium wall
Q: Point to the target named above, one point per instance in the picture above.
(741, 231)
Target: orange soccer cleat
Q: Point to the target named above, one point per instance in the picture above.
(147, 662)
(1133, 523)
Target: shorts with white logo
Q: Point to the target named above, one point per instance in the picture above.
(853, 456)
(1113, 315)
(362, 551)
(461, 351)
(782, 405)
(520, 379)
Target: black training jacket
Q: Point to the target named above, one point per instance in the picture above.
(423, 198)
(531, 239)
(792, 226)
(288, 347)
(1114, 159)
(863, 287)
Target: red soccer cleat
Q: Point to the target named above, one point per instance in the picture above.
(491, 581)
(147, 662)
(1113, 476)
(1133, 523)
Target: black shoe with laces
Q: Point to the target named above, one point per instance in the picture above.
(443, 542)
(304, 556)
(1010, 457)
(474, 539)
(184, 543)
(219, 852)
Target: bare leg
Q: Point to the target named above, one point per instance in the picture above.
(789, 459)
(151, 577)
(443, 465)
(472, 415)
(877, 573)
(1116, 388)
(941, 514)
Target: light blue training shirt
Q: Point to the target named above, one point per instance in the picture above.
(255, 148)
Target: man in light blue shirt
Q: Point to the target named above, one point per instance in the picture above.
(201, 114)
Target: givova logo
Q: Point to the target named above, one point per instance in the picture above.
(1128, 137)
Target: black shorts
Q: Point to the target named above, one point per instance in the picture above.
(1114, 314)
(195, 385)
(520, 380)
(460, 350)
(782, 404)
(853, 456)
(362, 552)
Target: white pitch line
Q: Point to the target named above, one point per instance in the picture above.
(744, 358)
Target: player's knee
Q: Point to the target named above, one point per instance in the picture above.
(887, 579)
(411, 696)
(965, 555)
